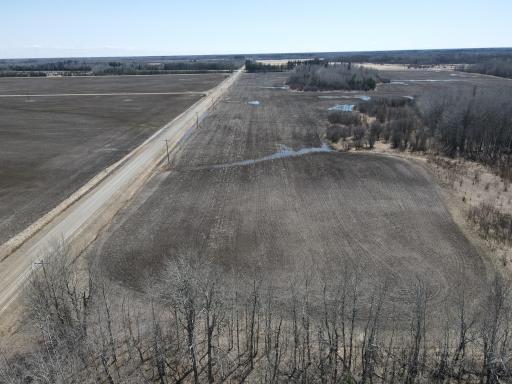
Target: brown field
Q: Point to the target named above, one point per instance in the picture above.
(50, 146)
(262, 255)
(110, 84)
(228, 200)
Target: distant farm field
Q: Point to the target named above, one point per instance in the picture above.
(66, 130)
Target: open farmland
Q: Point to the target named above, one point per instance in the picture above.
(69, 129)
(254, 190)
(261, 253)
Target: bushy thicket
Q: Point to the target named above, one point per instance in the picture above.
(199, 324)
(318, 77)
(496, 67)
(471, 124)
(492, 223)
(344, 118)
(399, 122)
(396, 120)
(383, 108)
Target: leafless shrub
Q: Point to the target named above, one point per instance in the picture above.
(336, 132)
(373, 134)
(358, 136)
(384, 108)
(344, 118)
(199, 324)
(491, 222)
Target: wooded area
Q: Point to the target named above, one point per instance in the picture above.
(198, 323)
(474, 125)
(91, 67)
(344, 76)
(496, 67)
(156, 64)
(256, 66)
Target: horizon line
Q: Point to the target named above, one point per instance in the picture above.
(252, 54)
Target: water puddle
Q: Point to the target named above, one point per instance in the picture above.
(342, 108)
(282, 153)
(254, 102)
(284, 87)
(423, 81)
(463, 75)
(361, 97)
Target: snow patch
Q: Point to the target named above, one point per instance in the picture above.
(361, 97)
(424, 81)
(284, 87)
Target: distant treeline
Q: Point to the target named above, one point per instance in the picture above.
(41, 67)
(413, 57)
(147, 64)
(257, 66)
(324, 76)
(429, 57)
(66, 65)
(495, 67)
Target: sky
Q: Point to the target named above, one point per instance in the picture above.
(36, 28)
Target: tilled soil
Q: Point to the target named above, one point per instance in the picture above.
(282, 214)
(109, 84)
(51, 146)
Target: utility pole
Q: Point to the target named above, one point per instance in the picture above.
(167, 147)
(197, 120)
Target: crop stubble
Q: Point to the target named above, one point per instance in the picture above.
(283, 216)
